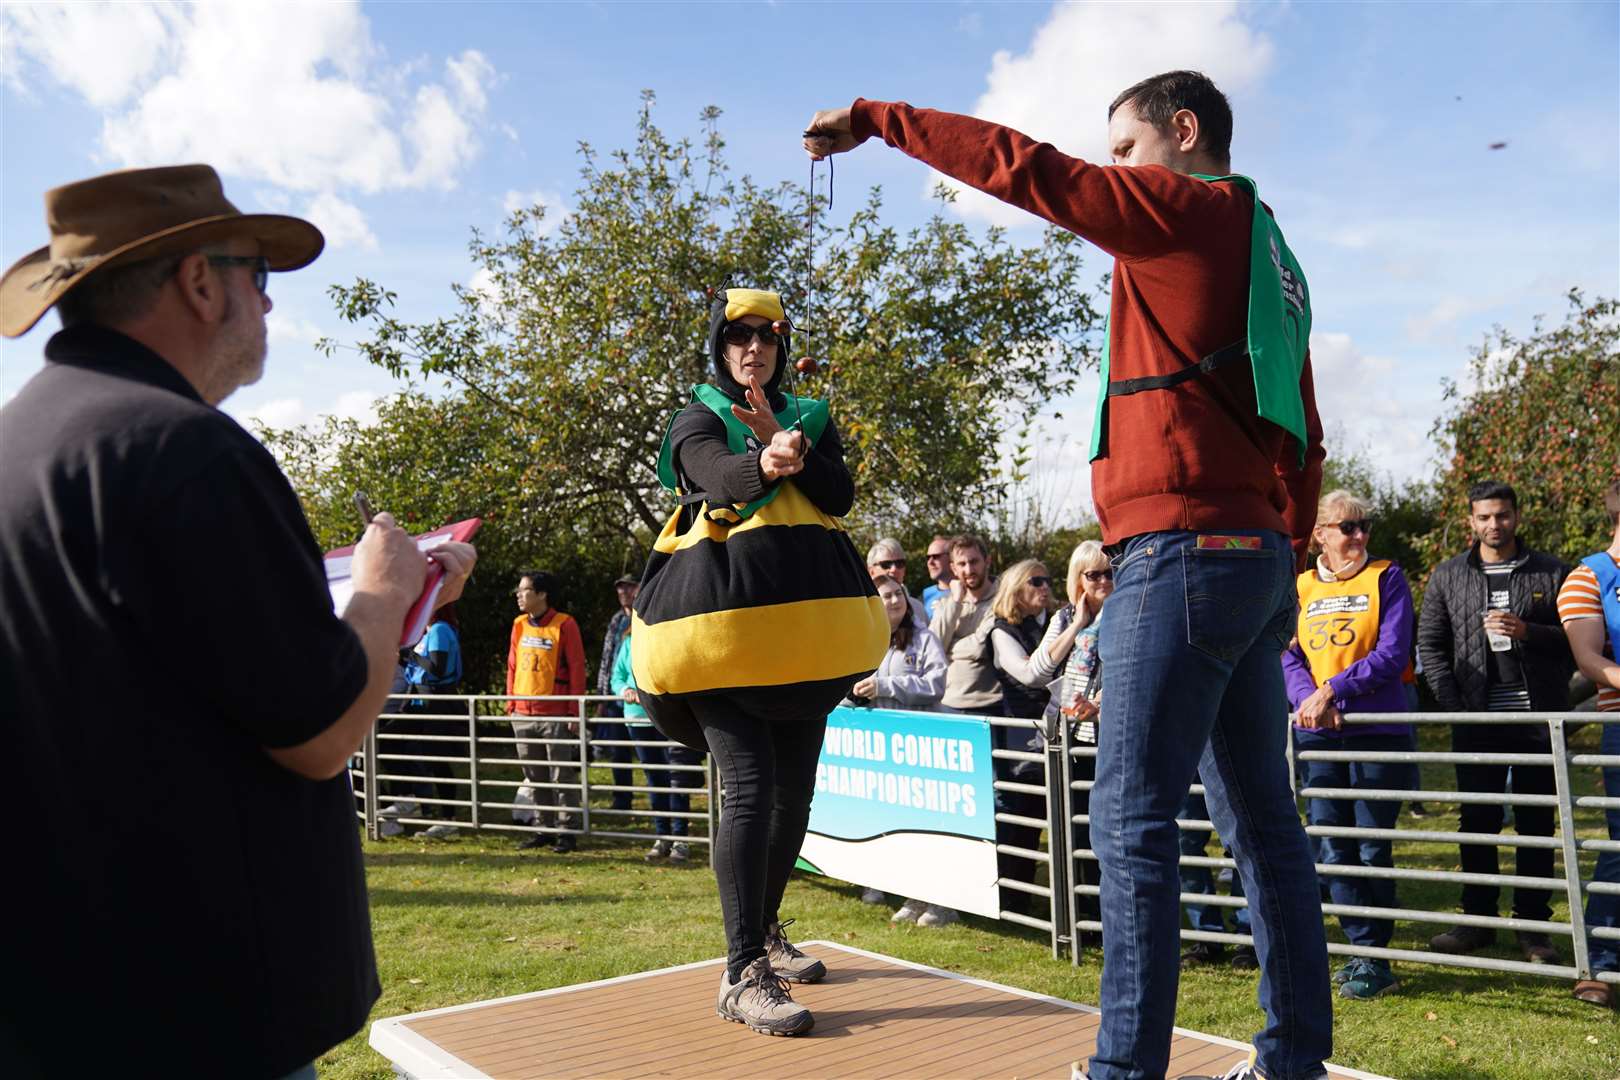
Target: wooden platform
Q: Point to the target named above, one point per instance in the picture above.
(875, 1017)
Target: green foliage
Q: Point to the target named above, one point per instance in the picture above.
(554, 378)
(1544, 416)
(1403, 513)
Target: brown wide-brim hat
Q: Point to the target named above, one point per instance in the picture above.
(136, 214)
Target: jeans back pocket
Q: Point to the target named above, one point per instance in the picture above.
(1231, 598)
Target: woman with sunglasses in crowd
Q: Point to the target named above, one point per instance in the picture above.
(1068, 654)
(1353, 654)
(1019, 610)
(755, 617)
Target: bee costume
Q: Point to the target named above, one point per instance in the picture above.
(756, 615)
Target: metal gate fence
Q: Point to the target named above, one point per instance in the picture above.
(480, 763)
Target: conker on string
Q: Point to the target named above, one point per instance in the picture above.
(780, 327)
(806, 365)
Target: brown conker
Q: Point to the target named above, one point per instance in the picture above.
(807, 365)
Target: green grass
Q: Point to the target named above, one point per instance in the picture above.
(472, 918)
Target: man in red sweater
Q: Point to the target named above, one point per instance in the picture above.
(1206, 467)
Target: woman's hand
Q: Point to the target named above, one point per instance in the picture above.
(630, 695)
(783, 457)
(1317, 712)
(758, 417)
(866, 688)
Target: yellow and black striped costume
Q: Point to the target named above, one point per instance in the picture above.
(749, 597)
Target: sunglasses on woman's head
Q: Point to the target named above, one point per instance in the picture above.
(1351, 526)
(740, 333)
(1097, 575)
(1038, 582)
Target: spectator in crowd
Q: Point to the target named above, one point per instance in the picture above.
(1351, 652)
(433, 667)
(1589, 605)
(962, 623)
(669, 829)
(215, 898)
(1068, 653)
(1023, 599)
(1490, 640)
(619, 756)
(912, 676)
(547, 656)
(939, 574)
(887, 558)
(1210, 918)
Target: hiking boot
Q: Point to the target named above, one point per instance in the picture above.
(1244, 958)
(1462, 939)
(679, 852)
(441, 831)
(1594, 993)
(787, 961)
(937, 915)
(1201, 954)
(1368, 979)
(534, 840)
(761, 1000)
(910, 911)
(659, 850)
(564, 844)
(1537, 948)
(873, 896)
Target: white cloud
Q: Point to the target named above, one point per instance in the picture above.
(1086, 53)
(1365, 405)
(291, 96)
(556, 209)
(283, 329)
(287, 412)
(342, 222)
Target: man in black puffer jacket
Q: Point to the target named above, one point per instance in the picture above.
(1489, 640)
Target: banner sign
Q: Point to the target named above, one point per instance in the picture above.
(905, 802)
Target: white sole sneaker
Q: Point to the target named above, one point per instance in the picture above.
(938, 916)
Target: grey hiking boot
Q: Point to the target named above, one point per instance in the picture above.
(789, 962)
(761, 1000)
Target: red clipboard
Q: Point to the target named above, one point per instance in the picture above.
(341, 586)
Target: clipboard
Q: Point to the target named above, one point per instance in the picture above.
(338, 581)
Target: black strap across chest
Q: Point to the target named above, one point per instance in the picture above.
(1238, 350)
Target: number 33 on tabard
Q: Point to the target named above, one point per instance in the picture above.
(1336, 630)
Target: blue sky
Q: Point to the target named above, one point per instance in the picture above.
(397, 127)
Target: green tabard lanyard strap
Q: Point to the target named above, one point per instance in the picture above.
(1279, 329)
(740, 440)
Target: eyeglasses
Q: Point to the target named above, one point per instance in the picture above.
(1351, 526)
(1040, 582)
(932, 555)
(1097, 575)
(740, 333)
(891, 564)
(260, 264)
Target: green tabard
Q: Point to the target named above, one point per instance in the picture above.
(740, 440)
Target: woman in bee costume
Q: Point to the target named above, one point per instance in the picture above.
(755, 617)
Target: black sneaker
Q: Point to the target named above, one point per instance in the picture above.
(564, 844)
(1244, 958)
(1537, 948)
(532, 841)
(1202, 954)
(1462, 939)
(787, 961)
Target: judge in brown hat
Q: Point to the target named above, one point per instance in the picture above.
(178, 700)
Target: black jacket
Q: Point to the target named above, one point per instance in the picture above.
(1451, 638)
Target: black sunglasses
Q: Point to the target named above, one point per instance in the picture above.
(1040, 581)
(932, 555)
(890, 564)
(1097, 575)
(1351, 526)
(259, 263)
(740, 333)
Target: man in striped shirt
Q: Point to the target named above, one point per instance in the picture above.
(1589, 606)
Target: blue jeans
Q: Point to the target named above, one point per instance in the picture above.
(1198, 879)
(306, 1072)
(1191, 657)
(672, 799)
(1605, 910)
(1361, 814)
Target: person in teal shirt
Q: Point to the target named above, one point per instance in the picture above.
(656, 758)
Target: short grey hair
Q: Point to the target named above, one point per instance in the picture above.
(118, 294)
(886, 548)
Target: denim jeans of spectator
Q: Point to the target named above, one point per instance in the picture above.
(619, 757)
(671, 798)
(1604, 910)
(303, 1072)
(1489, 818)
(1198, 879)
(1360, 814)
(1086, 871)
(1191, 653)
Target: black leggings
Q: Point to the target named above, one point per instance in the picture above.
(768, 766)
